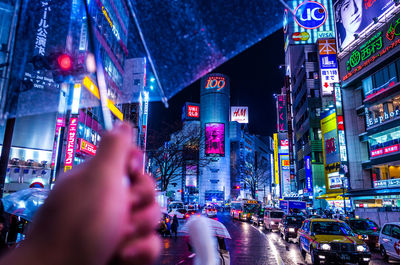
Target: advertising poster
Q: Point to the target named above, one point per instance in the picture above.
(215, 139)
(312, 20)
(330, 137)
(191, 175)
(356, 16)
(240, 114)
(284, 174)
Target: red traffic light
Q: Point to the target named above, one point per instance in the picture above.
(64, 62)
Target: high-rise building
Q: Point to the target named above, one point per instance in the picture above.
(313, 20)
(215, 178)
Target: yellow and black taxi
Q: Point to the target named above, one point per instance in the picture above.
(327, 240)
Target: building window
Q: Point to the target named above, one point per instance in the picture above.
(312, 57)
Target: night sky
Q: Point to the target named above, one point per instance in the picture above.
(254, 78)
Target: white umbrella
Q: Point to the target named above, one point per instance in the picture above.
(217, 227)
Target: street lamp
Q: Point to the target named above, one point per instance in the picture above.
(343, 178)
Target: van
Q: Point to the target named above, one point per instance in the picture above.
(272, 218)
(389, 241)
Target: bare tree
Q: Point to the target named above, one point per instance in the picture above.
(256, 175)
(169, 160)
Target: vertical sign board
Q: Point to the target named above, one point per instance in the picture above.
(282, 113)
(328, 65)
(309, 184)
(276, 165)
(340, 123)
(69, 156)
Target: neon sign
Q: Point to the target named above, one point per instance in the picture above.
(193, 111)
(310, 15)
(69, 156)
(377, 46)
(217, 82)
(86, 147)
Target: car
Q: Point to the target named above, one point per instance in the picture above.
(258, 218)
(180, 213)
(389, 241)
(366, 230)
(211, 211)
(190, 213)
(272, 217)
(289, 225)
(331, 240)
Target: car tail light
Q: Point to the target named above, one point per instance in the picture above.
(186, 215)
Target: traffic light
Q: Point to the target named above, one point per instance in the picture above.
(64, 62)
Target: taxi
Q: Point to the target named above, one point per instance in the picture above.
(327, 240)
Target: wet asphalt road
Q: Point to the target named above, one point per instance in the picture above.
(249, 245)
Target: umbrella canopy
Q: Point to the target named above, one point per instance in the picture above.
(217, 227)
(181, 41)
(25, 203)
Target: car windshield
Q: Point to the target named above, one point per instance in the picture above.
(363, 225)
(331, 228)
(276, 214)
(294, 220)
(251, 208)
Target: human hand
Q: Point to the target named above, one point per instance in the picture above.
(94, 215)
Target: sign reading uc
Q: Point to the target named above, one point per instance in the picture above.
(310, 15)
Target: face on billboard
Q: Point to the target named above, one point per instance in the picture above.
(215, 139)
(354, 16)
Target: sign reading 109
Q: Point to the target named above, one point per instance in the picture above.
(310, 15)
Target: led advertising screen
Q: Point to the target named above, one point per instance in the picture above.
(191, 175)
(215, 139)
(240, 114)
(356, 16)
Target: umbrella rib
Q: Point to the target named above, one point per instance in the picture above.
(163, 97)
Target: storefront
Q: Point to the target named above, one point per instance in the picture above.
(370, 74)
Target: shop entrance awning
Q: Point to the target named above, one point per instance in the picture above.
(331, 196)
(374, 192)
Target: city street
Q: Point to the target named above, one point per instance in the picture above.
(249, 245)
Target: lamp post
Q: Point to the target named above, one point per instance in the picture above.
(343, 178)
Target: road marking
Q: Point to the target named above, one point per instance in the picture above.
(275, 252)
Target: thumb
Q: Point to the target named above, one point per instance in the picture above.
(114, 148)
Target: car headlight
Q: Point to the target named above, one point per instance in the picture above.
(292, 230)
(325, 247)
(272, 222)
(361, 248)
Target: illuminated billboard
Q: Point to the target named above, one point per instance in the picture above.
(282, 164)
(328, 65)
(240, 114)
(356, 16)
(215, 139)
(191, 176)
(371, 51)
(312, 20)
(282, 113)
(330, 137)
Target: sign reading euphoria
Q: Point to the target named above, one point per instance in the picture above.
(310, 15)
(376, 46)
(240, 114)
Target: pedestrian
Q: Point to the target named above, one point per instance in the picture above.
(174, 226)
